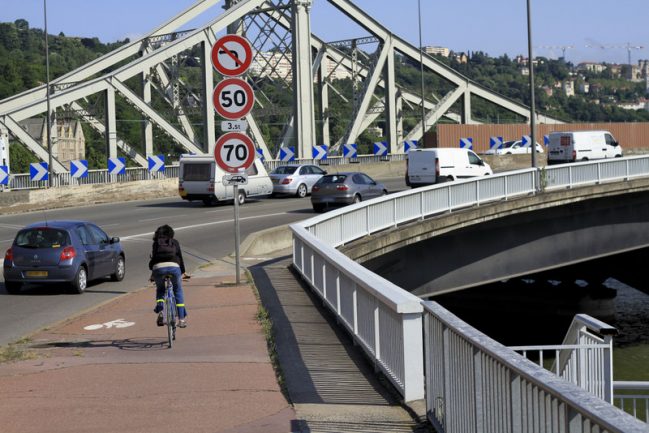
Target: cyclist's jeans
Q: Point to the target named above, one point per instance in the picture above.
(158, 276)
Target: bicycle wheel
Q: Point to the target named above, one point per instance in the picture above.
(169, 320)
(174, 315)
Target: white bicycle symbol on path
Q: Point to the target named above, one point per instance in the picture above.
(118, 323)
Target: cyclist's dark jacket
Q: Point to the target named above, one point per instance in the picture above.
(156, 258)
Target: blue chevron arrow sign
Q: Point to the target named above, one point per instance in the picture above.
(350, 150)
(380, 148)
(466, 143)
(287, 154)
(38, 171)
(495, 142)
(4, 175)
(409, 145)
(79, 168)
(320, 152)
(117, 165)
(157, 163)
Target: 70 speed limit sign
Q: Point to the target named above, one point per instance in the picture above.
(234, 151)
(233, 98)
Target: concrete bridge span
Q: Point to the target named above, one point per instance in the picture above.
(507, 239)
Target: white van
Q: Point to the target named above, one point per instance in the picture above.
(582, 146)
(201, 179)
(429, 166)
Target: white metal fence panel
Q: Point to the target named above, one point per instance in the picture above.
(633, 398)
(408, 208)
(637, 166)
(381, 215)
(490, 388)
(391, 335)
(463, 194)
(367, 317)
(348, 302)
(319, 267)
(436, 200)
(331, 294)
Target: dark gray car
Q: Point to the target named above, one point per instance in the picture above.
(344, 188)
(68, 252)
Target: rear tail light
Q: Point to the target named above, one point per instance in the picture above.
(342, 187)
(574, 155)
(9, 255)
(286, 181)
(68, 253)
(211, 187)
(315, 188)
(436, 167)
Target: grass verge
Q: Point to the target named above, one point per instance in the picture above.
(16, 352)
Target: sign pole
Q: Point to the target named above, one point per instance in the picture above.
(236, 231)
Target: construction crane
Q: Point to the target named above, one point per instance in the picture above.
(628, 47)
(563, 48)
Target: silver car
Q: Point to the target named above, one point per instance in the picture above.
(344, 188)
(295, 179)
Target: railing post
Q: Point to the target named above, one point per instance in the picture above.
(599, 173)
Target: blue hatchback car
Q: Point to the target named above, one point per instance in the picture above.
(69, 252)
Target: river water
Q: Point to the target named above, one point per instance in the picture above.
(531, 311)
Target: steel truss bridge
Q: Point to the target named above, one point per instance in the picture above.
(147, 74)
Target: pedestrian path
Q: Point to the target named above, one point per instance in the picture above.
(109, 369)
(331, 384)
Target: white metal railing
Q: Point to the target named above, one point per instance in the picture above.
(340, 281)
(475, 384)
(589, 173)
(632, 397)
(23, 181)
(585, 357)
(381, 317)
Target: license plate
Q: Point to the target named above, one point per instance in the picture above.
(36, 273)
(275, 181)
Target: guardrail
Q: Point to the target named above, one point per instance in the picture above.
(633, 398)
(563, 405)
(23, 180)
(475, 384)
(585, 357)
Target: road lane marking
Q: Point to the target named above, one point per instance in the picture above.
(160, 218)
(193, 226)
(10, 226)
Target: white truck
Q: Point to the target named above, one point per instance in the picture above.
(572, 146)
(201, 179)
(429, 166)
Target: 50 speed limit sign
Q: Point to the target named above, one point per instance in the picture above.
(233, 98)
(234, 151)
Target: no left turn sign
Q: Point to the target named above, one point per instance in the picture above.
(233, 98)
(231, 55)
(234, 151)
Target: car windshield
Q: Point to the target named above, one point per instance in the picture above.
(285, 170)
(333, 178)
(42, 237)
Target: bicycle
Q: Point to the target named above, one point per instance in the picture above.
(169, 309)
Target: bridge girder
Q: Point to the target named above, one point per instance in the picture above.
(78, 84)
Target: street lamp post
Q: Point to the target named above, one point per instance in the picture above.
(49, 119)
(421, 71)
(531, 67)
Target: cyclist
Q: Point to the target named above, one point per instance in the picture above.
(167, 259)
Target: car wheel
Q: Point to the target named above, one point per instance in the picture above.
(449, 178)
(301, 191)
(209, 201)
(384, 192)
(357, 199)
(13, 287)
(120, 269)
(318, 207)
(241, 197)
(80, 281)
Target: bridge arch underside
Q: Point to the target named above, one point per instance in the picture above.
(612, 232)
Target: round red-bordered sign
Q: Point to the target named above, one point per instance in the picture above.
(233, 151)
(231, 55)
(233, 98)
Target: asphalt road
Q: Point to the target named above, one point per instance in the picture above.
(205, 234)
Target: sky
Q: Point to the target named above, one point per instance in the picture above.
(593, 30)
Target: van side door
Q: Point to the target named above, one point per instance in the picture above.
(611, 145)
(475, 165)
